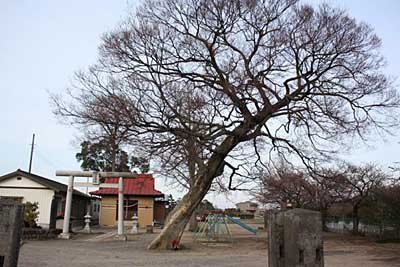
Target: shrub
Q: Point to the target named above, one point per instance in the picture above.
(31, 214)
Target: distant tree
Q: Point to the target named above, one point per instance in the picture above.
(142, 163)
(390, 195)
(361, 182)
(362, 186)
(384, 206)
(171, 204)
(100, 157)
(329, 188)
(319, 190)
(98, 116)
(206, 205)
(282, 184)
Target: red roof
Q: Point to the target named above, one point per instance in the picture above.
(142, 184)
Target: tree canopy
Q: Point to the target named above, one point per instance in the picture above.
(99, 157)
(228, 76)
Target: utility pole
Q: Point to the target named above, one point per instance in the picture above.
(30, 160)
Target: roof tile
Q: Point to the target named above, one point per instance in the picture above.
(143, 184)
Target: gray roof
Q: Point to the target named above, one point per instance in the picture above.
(56, 186)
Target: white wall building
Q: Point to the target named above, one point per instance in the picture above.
(50, 196)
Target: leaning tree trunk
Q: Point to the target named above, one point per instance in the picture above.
(191, 151)
(113, 153)
(181, 214)
(193, 222)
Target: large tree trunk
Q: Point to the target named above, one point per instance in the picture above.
(193, 222)
(113, 155)
(180, 216)
(192, 180)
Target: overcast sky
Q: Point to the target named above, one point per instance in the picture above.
(43, 42)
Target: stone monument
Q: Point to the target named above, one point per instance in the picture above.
(295, 239)
(11, 223)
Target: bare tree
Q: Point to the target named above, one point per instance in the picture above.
(361, 182)
(347, 183)
(389, 196)
(273, 75)
(330, 188)
(93, 112)
(283, 185)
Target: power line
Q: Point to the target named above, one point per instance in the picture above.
(41, 156)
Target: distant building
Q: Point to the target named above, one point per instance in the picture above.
(249, 208)
(50, 196)
(140, 198)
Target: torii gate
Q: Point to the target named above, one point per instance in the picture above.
(95, 183)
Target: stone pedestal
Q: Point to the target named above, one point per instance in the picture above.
(64, 236)
(11, 223)
(295, 239)
(121, 237)
(149, 229)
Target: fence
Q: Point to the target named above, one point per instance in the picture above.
(385, 230)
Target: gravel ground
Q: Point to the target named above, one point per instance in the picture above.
(71, 253)
(347, 251)
(248, 250)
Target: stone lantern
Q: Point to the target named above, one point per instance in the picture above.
(87, 223)
(134, 224)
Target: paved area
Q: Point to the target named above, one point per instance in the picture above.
(248, 250)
